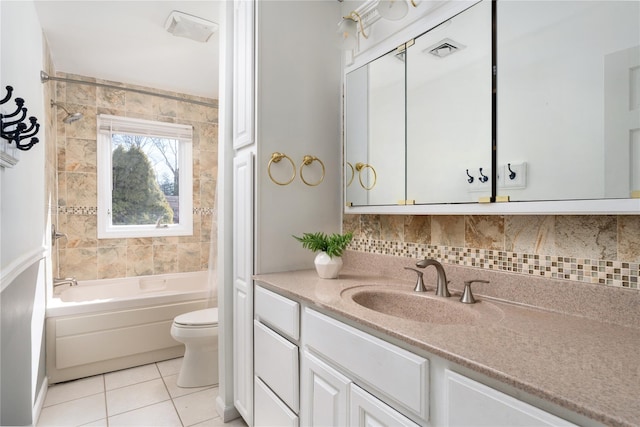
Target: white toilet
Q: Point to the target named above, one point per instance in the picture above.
(198, 331)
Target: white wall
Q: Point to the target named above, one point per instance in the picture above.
(22, 220)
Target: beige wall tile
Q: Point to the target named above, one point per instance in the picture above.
(77, 187)
(351, 223)
(165, 259)
(81, 189)
(530, 234)
(447, 230)
(392, 228)
(484, 232)
(139, 260)
(189, 257)
(587, 236)
(629, 238)
(112, 262)
(370, 226)
(81, 263)
(417, 229)
(81, 155)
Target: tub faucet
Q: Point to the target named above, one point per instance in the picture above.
(441, 284)
(71, 281)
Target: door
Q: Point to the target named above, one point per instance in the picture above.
(366, 410)
(243, 285)
(325, 394)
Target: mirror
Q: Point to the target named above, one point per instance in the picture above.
(375, 132)
(449, 90)
(569, 99)
(412, 139)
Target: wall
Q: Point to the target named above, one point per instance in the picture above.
(23, 224)
(601, 249)
(82, 254)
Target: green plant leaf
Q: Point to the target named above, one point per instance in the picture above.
(333, 245)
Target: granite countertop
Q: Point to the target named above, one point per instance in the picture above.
(585, 365)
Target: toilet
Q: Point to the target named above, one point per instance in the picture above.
(198, 331)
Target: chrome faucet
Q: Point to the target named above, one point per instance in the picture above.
(71, 281)
(441, 284)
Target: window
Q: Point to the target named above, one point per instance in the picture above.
(144, 178)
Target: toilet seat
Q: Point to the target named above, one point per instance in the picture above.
(197, 319)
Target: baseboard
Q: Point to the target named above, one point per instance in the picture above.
(37, 407)
(227, 413)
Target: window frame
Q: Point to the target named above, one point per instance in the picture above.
(106, 126)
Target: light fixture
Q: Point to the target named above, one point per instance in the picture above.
(348, 31)
(393, 10)
(192, 27)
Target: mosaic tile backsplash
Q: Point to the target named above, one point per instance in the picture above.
(599, 249)
(82, 254)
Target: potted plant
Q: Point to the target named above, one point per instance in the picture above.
(329, 261)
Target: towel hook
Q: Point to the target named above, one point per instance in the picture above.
(483, 177)
(512, 174)
(470, 179)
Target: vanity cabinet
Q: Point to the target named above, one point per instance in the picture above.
(396, 381)
(276, 359)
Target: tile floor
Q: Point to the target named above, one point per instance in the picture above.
(142, 396)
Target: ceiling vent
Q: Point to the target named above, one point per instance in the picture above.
(183, 25)
(444, 48)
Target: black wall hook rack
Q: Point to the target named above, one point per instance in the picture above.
(14, 128)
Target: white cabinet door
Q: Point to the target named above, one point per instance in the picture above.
(243, 73)
(325, 394)
(367, 411)
(270, 411)
(470, 403)
(243, 285)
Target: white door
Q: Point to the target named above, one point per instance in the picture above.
(366, 410)
(622, 123)
(325, 394)
(243, 285)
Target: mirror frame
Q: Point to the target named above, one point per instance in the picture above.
(397, 36)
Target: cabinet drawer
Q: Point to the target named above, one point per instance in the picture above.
(399, 375)
(278, 312)
(269, 410)
(470, 403)
(276, 363)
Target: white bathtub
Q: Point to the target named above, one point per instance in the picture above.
(105, 325)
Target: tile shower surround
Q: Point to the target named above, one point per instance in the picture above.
(597, 249)
(82, 254)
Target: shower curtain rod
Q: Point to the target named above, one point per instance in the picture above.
(44, 77)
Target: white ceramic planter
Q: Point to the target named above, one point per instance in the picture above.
(327, 267)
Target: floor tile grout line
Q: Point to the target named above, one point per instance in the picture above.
(171, 398)
(104, 394)
(136, 409)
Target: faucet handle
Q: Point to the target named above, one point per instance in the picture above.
(467, 296)
(419, 281)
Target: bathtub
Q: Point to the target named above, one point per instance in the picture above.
(110, 324)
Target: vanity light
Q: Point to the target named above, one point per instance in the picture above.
(348, 31)
(393, 10)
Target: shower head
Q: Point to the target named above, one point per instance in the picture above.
(71, 117)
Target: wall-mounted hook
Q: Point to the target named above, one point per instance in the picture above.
(16, 130)
(512, 174)
(470, 179)
(483, 177)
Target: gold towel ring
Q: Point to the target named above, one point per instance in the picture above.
(359, 167)
(306, 161)
(275, 158)
(353, 174)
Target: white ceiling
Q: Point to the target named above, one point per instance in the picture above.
(125, 41)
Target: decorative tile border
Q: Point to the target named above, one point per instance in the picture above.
(603, 272)
(92, 210)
